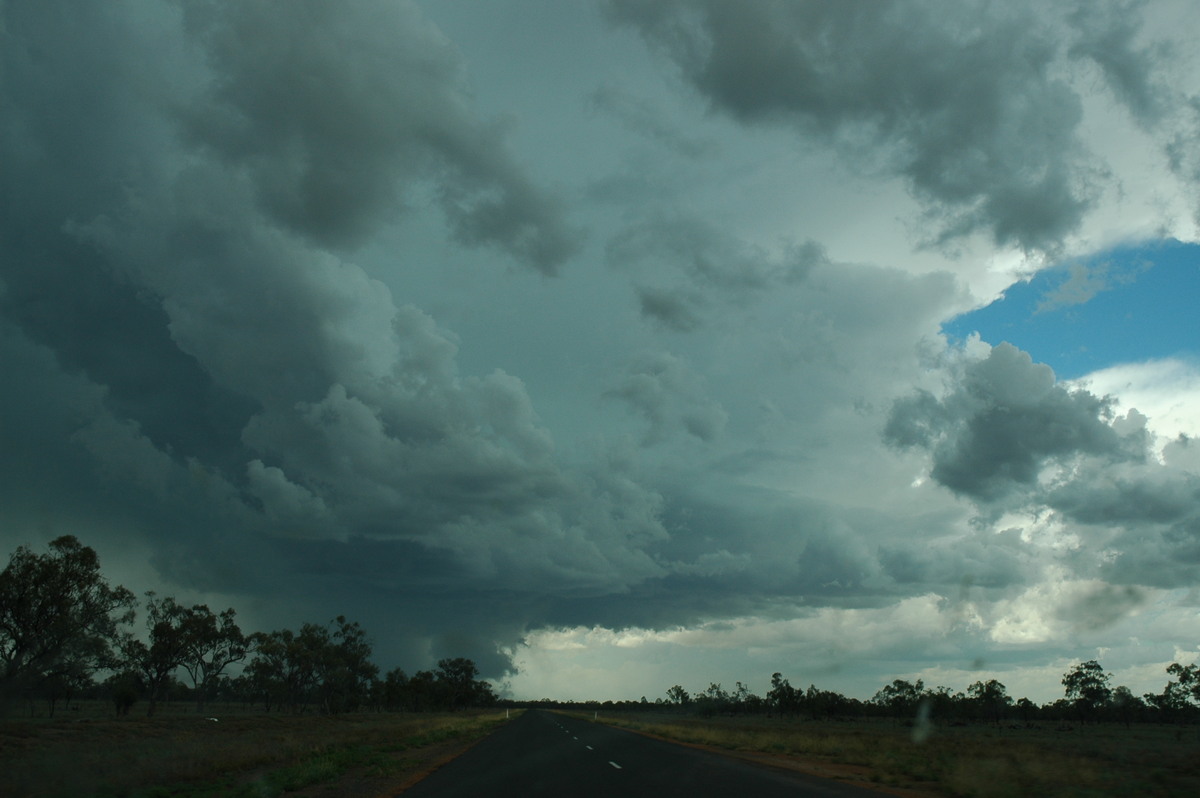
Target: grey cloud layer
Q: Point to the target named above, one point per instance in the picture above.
(1007, 436)
(1002, 423)
(331, 109)
(172, 240)
(967, 102)
(217, 362)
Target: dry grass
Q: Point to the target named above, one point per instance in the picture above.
(241, 754)
(974, 762)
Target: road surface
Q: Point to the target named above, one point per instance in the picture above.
(544, 753)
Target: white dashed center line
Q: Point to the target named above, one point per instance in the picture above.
(588, 747)
(614, 764)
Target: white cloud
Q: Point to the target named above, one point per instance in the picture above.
(1167, 392)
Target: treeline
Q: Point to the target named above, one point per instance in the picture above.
(65, 634)
(1088, 698)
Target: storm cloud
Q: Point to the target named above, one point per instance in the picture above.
(605, 325)
(985, 133)
(1003, 422)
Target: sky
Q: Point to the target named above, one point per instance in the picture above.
(618, 345)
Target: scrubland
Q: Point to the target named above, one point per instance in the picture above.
(976, 761)
(185, 754)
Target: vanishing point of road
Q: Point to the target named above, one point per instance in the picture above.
(543, 753)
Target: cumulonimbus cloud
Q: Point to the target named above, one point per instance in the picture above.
(976, 119)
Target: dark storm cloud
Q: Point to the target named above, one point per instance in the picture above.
(331, 108)
(1166, 557)
(970, 114)
(1002, 422)
(1149, 513)
(255, 410)
(1107, 34)
(1007, 436)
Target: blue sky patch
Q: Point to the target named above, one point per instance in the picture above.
(1129, 304)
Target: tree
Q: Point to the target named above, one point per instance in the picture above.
(212, 643)
(1188, 678)
(991, 697)
(1124, 705)
(58, 615)
(331, 667)
(900, 697)
(284, 671)
(168, 624)
(678, 695)
(423, 691)
(458, 677)
(123, 688)
(267, 676)
(395, 689)
(1087, 687)
(344, 668)
(713, 701)
(782, 697)
(824, 703)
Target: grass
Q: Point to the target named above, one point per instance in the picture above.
(242, 755)
(972, 762)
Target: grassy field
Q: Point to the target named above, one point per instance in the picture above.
(974, 761)
(183, 754)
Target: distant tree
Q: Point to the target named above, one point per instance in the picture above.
(424, 691)
(992, 699)
(269, 675)
(943, 702)
(713, 700)
(1171, 704)
(212, 643)
(678, 695)
(395, 685)
(458, 679)
(344, 667)
(825, 703)
(1188, 678)
(782, 697)
(326, 665)
(742, 700)
(1124, 705)
(58, 616)
(64, 684)
(900, 697)
(458, 686)
(123, 689)
(1087, 688)
(168, 624)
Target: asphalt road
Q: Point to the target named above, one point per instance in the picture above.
(544, 753)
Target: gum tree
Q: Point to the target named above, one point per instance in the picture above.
(212, 643)
(58, 616)
(1087, 688)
